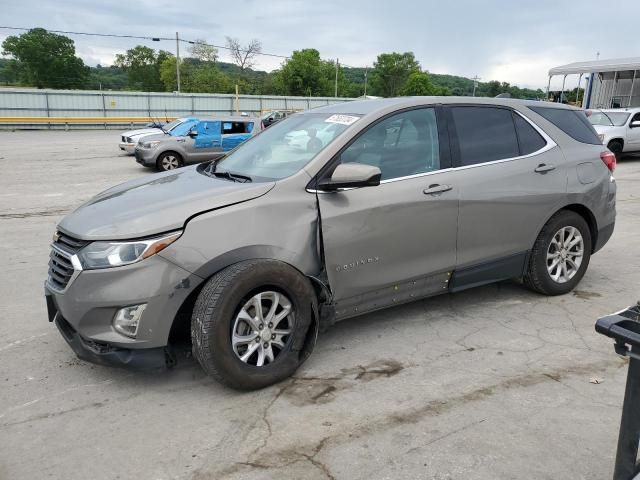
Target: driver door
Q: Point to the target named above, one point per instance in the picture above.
(208, 143)
(633, 134)
(394, 242)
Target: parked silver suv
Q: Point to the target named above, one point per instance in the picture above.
(254, 254)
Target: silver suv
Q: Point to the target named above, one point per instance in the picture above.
(251, 256)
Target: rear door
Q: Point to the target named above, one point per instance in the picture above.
(396, 241)
(513, 177)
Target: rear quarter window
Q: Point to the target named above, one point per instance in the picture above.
(572, 122)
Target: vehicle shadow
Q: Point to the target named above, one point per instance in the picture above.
(345, 335)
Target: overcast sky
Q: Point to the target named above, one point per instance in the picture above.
(512, 41)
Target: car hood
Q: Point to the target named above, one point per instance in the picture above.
(604, 129)
(155, 204)
(140, 131)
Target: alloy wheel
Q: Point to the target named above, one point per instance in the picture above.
(170, 162)
(262, 328)
(565, 254)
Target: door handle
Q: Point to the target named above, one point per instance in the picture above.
(436, 188)
(544, 168)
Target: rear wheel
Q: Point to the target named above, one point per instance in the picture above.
(252, 324)
(616, 147)
(169, 161)
(560, 255)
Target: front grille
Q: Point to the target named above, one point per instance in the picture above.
(60, 266)
(124, 139)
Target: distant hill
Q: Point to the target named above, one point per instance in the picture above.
(114, 78)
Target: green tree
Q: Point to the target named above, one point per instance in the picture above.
(306, 74)
(142, 65)
(419, 83)
(391, 71)
(44, 59)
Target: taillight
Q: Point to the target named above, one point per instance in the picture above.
(609, 160)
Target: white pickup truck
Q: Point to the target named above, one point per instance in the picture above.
(619, 129)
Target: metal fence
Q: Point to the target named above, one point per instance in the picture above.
(29, 108)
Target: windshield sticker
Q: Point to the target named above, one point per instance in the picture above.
(342, 119)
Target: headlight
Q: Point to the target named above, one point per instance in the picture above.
(115, 254)
(151, 144)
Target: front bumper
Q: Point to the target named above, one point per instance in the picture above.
(105, 354)
(127, 147)
(146, 157)
(90, 301)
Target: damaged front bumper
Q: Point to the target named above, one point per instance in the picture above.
(105, 354)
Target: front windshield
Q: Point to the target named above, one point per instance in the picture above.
(171, 125)
(609, 119)
(182, 129)
(287, 146)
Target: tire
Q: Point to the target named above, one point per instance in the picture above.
(221, 311)
(169, 161)
(616, 148)
(540, 274)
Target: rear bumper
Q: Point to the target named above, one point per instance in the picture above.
(104, 354)
(604, 234)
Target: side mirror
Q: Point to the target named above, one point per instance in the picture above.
(193, 133)
(351, 175)
(634, 124)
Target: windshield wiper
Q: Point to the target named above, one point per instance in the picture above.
(212, 171)
(234, 177)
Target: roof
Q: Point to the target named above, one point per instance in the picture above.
(611, 65)
(364, 107)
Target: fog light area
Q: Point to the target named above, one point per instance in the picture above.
(127, 319)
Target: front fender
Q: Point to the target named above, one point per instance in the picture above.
(281, 225)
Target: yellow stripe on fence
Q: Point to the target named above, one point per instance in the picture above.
(79, 120)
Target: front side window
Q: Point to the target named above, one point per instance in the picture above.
(286, 147)
(485, 134)
(401, 145)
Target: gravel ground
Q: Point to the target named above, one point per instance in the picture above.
(492, 383)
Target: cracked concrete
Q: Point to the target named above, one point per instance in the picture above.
(491, 383)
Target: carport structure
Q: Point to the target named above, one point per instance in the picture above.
(613, 83)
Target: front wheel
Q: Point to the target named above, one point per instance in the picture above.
(253, 324)
(168, 161)
(560, 255)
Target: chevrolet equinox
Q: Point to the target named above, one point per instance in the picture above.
(254, 254)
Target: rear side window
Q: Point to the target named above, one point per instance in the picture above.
(235, 127)
(572, 122)
(529, 139)
(484, 134)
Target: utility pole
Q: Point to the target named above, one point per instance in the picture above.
(336, 90)
(365, 81)
(178, 60)
(475, 84)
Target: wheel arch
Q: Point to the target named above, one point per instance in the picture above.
(180, 327)
(616, 139)
(586, 213)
